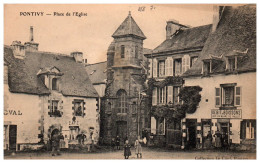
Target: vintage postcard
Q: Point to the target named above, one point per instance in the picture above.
(129, 81)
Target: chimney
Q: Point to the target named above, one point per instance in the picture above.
(217, 13)
(173, 26)
(31, 34)
(78, 56)
(31, 45)
(18, 49)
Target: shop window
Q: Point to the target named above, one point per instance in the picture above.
(228, 95)
(55, 110)
(161, 67)
(122, 101)
(122, 51)
(193, 60)
(74, 132)
(79, 108)
(177, 67)
(248, 129)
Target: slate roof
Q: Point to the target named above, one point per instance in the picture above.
(22, 74)
(129, 27)
(188, 38)
(97, 72)
(236, 31)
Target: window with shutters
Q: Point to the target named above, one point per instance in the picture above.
(228, 95)
(78, 107)
(161, 68)
(55, 108)
(122, 51)
(193, 60)
(162, 95)
(177, 67)
(122, 101)
(176, 99)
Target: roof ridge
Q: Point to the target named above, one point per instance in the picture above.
(96, 63)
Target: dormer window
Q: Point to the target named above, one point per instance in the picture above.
(55, 84)
(234, 58)
(206, 67)
(232, 64)
(50, 76)
(211, 64)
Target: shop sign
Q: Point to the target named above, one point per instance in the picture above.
(12, 112)
(224, 114)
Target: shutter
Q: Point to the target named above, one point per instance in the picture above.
(185, 63)
(170, 90)
(178, 95)
(150, 68)
(170, 65)
(155, 67)
(166, 67)
(242, 130)
(153, 125)
(154, 101)
(237, 96)
(217, 97)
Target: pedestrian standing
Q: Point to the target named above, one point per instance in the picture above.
(138, 148)
(118, 142)
(56, 144)
(127, 151)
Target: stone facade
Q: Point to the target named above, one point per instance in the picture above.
(124, 103)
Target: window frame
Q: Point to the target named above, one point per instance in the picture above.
(122, 101)
(160, 70)
(180, 66)
(122, 51)
(81, 103)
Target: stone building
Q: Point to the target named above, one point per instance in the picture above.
(221, 59)
(171, 59)
(125, 113)
(226, 71)
(46, 93)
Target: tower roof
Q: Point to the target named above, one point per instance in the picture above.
(129, 27)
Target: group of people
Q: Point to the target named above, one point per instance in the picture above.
(220, 140)
(57, 138)
(127, 146)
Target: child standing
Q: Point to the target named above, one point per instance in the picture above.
(138, 148)
(127, 151)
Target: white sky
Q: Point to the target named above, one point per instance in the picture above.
(92, 34)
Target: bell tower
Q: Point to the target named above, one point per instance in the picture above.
(124, 81)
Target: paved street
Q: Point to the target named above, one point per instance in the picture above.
(147, 154)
